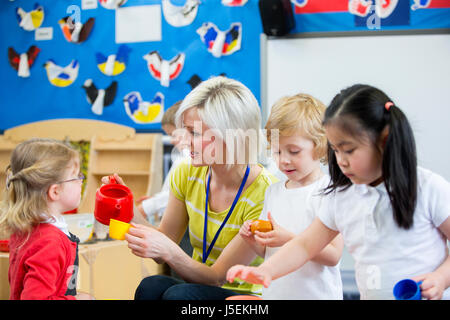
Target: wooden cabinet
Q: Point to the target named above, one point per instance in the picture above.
(107, 270)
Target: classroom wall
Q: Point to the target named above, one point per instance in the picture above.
(413, 69)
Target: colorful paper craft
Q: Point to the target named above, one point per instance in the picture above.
(420, 4)
(144, 112)
(164, 70)
(359, 7)
(112, 4)
(23, 62)
(234, 3)
(62, 76)
(99, 98)
(219, 42)
(76, 32)
(114, 64)
(180, 16)
(31, 20)
(384, 8)
(299, 3)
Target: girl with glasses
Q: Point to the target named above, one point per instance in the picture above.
(43, 180)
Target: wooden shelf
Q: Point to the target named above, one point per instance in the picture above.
(113, 149)
(138, 161)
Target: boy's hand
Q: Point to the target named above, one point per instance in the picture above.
(275, 238)
(245, 232)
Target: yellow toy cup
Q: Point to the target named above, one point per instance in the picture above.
(118, 229)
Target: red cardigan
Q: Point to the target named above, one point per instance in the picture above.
(43, 267)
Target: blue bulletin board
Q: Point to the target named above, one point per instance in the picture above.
(35, 98)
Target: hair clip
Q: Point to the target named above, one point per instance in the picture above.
(388, 105)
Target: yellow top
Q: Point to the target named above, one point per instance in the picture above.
(188, 184)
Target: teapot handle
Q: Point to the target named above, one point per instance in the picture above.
(112, 179)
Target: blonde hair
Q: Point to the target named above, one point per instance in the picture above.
(301, 112)
(35, 165)
(231, 110)
(169, 114)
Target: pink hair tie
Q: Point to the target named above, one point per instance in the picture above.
(388, 105)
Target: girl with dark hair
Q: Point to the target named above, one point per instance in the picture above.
(394, 216)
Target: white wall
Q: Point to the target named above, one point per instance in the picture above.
(414, 70)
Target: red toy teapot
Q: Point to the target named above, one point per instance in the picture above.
(113, 201)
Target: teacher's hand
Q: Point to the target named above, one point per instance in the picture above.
(147, 242)
(106, 179)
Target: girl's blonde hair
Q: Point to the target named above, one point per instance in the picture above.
(299, 113)
(35, 165)
(229, 109)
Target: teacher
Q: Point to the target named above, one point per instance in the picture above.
(213, 195)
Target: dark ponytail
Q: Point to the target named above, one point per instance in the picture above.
(362, 108)
(400, 167)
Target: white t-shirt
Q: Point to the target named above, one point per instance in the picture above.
(294, 210)
(383, 252)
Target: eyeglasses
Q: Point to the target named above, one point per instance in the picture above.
(80, 177)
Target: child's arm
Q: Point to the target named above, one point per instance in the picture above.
(148, 242)
(332, 253)
(288, 258)
(434, 283)
(329, 256)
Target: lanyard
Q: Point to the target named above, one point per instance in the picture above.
(205, 229)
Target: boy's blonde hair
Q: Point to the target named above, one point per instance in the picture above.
(231, 110)
(169, 114)
(299, 113)
(35, 165)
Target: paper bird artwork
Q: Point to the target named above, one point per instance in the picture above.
(218, 42)
(234, 3)
(164, 70)
(144, 112)
(420, 4)
(362, 8)
(114, 64)
(62, 76)
(384, 8)
(99, 98)
(23, 62)
(180, 16)
(112, 4)
(31, 20)
(300, 3)
(76, 32)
